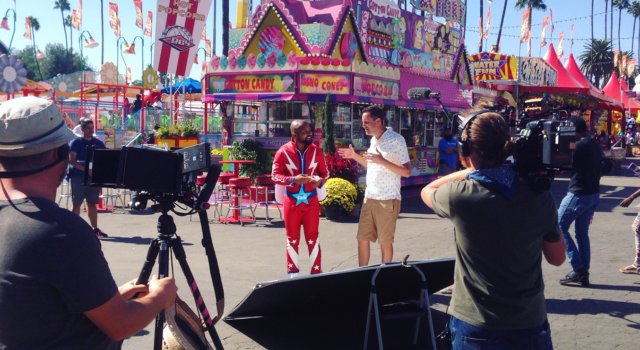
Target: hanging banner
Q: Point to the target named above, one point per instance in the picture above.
(76, 16)
(494, 66)
(543, 40)
(137, 4)
(149, 24)
(368, 87)
(263, 83)
(207, 47)
(114, 20)
(335, 84)
(27, 28)
(178, 24)
(525, 29)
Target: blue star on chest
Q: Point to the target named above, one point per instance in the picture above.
(302, 196)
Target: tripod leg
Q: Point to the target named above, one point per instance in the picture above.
(163, 271)
(178, 250)
(147, 267)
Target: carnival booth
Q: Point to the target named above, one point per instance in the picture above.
(296, 55)
(545, 88)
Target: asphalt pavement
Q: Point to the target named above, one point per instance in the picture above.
(605, 315)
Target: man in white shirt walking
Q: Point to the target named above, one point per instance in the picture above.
(386, 160)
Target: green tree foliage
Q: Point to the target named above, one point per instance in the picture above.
(597, 61)
(328, 142)
(57, 60)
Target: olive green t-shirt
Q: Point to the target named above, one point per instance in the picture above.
(498, 275)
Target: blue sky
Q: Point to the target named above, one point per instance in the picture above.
(565, 12)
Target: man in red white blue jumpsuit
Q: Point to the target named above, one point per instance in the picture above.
(300, 166)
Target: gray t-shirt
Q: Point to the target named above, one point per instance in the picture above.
(498, 275)
(51, 271)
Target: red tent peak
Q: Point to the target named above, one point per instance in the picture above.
(564, 78)
(572, 67)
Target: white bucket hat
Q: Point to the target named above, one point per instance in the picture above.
(31, 125)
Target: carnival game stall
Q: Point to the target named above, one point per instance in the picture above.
(546, 88)
(295, 55)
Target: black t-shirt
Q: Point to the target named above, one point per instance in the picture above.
(51, 271)
(586, 167)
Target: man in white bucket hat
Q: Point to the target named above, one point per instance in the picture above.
(56, 289)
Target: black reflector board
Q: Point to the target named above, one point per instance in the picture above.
(329, 310)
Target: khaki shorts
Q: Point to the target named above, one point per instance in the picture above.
(378, 220)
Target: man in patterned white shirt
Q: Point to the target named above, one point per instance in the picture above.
(386, 160)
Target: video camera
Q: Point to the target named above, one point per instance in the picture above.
(543, 147)
(153, 171)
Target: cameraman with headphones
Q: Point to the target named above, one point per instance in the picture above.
(502, 230)
(56, 290)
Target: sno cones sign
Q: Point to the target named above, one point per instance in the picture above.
(175, 42)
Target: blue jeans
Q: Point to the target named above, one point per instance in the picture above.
(465, 336)
(578, 208)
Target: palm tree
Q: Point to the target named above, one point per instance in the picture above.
(597, 60)
(611, 24)
(621, 5)
(531, 5)
(481, 26)
(504, 9)
(634, 10)
(102, 27)
(63, 5)
(67, 23)
(606, 8)
(225, 27)
(592, 20)
(35, 26)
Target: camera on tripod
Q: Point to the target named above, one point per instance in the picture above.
(152, 171)
(166, 177)
(541, 148)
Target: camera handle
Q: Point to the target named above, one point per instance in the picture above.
(159, 248)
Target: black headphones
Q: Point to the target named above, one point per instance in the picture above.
(465, 145)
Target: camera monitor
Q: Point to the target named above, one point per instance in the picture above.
(196, 158)
(150, 170)
(104, 165)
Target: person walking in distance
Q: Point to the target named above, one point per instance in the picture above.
(80, 192)
(502, 228)
(580, 203)
(56, 289)
(299, 165)
(386, 160)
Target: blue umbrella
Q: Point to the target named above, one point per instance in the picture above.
(191, 86)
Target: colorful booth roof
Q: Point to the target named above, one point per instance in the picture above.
(378, 44)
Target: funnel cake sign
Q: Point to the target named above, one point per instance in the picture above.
(263, 83)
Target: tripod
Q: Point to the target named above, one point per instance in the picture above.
(160, 247)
